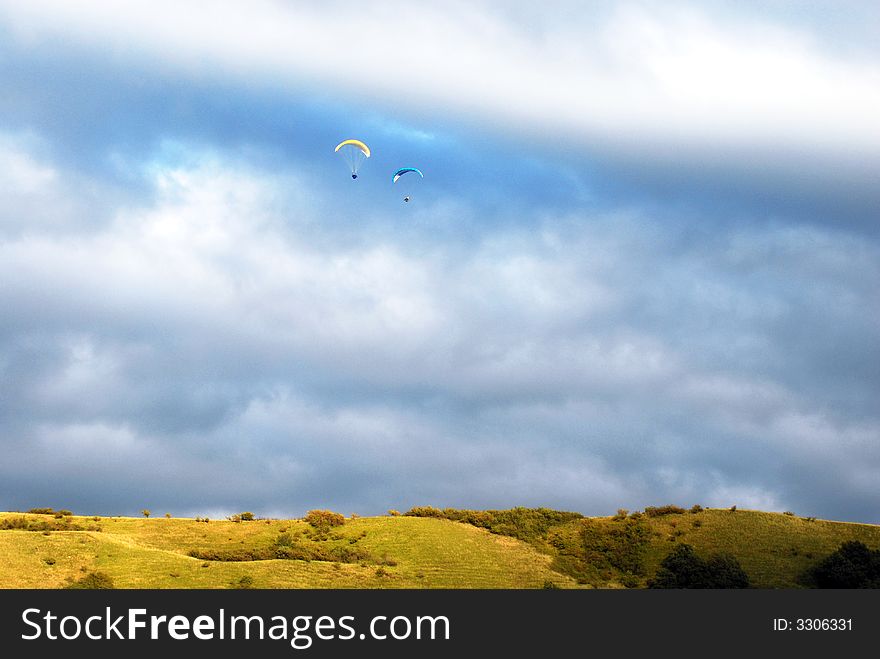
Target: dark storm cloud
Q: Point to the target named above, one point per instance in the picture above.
(203, 314)
(223, 361)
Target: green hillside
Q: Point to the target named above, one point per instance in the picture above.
(427, 549)
(402, 552)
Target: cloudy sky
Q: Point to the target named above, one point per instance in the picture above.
(642, 267)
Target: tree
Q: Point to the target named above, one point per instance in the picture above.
(145, 512)
(682, 568)
(724, 571)
(853, 565)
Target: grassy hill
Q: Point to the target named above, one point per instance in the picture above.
(487, 549)
(404, 552)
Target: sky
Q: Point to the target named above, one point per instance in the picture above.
(642, 266)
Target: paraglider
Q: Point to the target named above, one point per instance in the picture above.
(403, 171)
(354, 152)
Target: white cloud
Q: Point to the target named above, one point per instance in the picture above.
(579, 362)
(677, 79)
(23, 174)
(36, 197)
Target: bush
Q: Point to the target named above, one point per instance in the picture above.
(621, 514)
(42, 511)
(621, 545)
(629, 580)
(324, 519)
(11, 523)
(394, 513)
(246, 517)
(527, 524)
(789, 513)
(682, 568)
(92, 581)
(696, 508)
(550, 585)
(233, 555)
(852, 565)
(291, 552)
(387, 560)
(43, 525)
(424, 511)
(651, 511)
(243, 583)
(145, 512)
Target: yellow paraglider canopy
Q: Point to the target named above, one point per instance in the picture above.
(356, 143)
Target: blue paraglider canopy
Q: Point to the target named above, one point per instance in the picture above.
(403, 170)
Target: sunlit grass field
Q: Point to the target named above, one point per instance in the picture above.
(152, 553)
(403, 552)
(774, 549)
